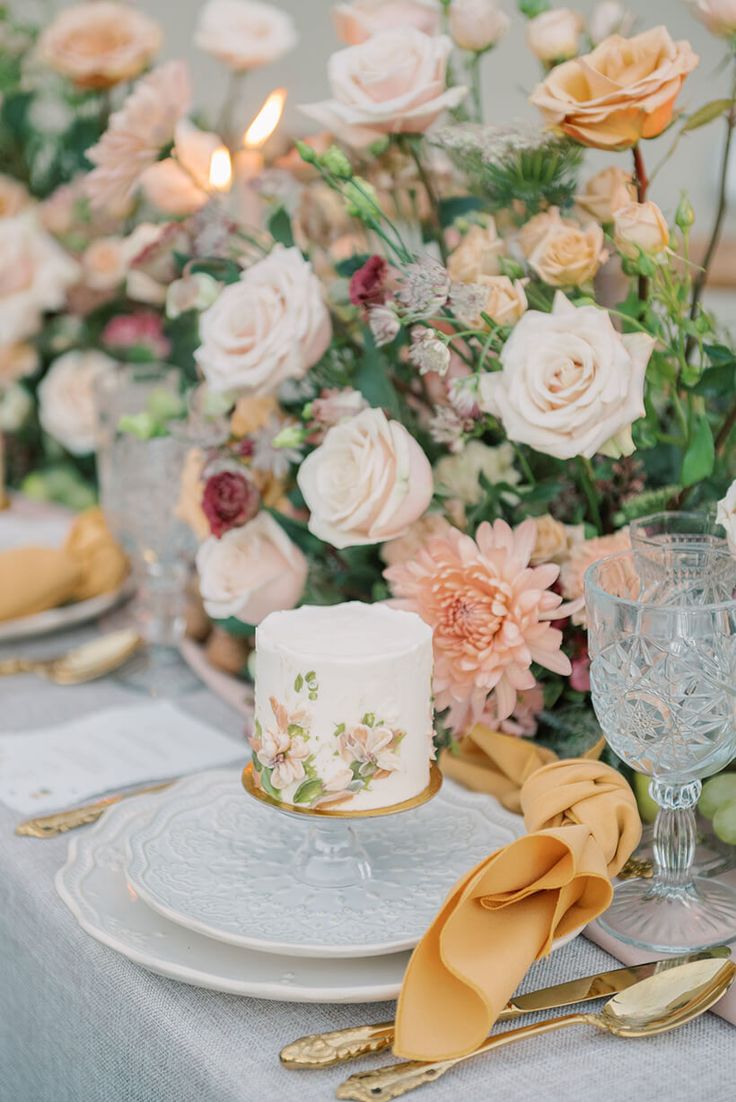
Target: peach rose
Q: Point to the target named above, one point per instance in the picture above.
(477, 254)
(13, 197)
(505, 300)
(244, 34)
(719, 16)
(554, 35)
(178, 185)
(568, 255)
(395, 83)
(571, 384)
(270, 326)
(366, 483)
(623, 91)
(605, 192)
(67, 404)
(477, 24)
(554, 540)
(406, 547)
(640, 226)
(191, 490)
(358, 21)
(16, 361)
(252, 414)
(582, 555)
(105, 263)
(35, 276)
(101, 44)
(251, 571)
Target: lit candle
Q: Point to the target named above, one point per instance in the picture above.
(249, 161)
(221, 170)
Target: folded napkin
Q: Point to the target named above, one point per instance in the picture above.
(91, 562)
(507, 911)
(488, 761)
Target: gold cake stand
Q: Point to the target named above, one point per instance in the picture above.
(330, 854)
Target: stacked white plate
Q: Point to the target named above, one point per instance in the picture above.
(196, 883)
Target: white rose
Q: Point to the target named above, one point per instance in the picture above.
(270, 326)
(358, 21)
(35, 275)
(244, 34)
(555, 35)
(477, 24)
(251, 571)
(571, 384)
(719, 16)
(459, 475)
(15, 405)
(607, 18)
(67, 406)
(392, 84)
(726, 515)
(367, 483)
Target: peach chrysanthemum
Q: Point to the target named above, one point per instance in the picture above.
(489, 610)
(136, 134)
(583, 555)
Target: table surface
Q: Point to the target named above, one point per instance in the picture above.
(79, 1023)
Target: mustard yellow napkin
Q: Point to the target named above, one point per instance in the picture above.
(488, 761)
(33, 579)
(506, 912)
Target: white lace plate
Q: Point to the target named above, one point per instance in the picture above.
(216, 861)
(92, 884)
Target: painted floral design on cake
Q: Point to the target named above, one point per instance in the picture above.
(362, 753)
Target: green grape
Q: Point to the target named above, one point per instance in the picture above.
(716, 791)
(648, 807)
(724, 823)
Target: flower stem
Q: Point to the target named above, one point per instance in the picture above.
(642, 183)
(587, 484)
(410, 145)
(476, 88)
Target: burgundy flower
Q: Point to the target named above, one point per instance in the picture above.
(580, 676)
(367, 285)
(229, 500)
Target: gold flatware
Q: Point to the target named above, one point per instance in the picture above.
(324, 1050)
(85, 663)
(48, 826)
(662, 1002)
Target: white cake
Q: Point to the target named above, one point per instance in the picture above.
(343, 713)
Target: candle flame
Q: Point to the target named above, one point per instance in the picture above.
(221, 170)
(266, 121)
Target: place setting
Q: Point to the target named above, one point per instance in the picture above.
(367, 550)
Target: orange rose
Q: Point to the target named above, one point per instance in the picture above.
(99, 45)
(623, 91)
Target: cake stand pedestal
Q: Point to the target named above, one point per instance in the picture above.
(330, 854)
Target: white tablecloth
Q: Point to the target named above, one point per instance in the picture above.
(78, 1023)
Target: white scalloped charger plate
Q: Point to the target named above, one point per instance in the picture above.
(215, 861)
(92, 884)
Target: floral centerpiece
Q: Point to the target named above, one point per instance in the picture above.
(454, 364)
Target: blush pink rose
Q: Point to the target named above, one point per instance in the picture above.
(358, 21)
(367, 483)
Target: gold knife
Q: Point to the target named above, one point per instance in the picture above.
(48, 826)
(323, 1050)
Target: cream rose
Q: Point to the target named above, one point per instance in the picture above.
(605, 192)
(607, 18)
(640, 226)
(571, 384)
(13, 197)
(623, 91)
(477, 24)
(392, 84)
(366, 483)
(554, 35)
(719, 16)
(554, 540)
(244, 34)
(179, 185)
(477, 254)
(35, 275)
(251, 571)
(105, 263)
(270, 326)
(67, 406)
(358, 21)
(568, 255)
(505, 300)
(101, 44)
(726, 515)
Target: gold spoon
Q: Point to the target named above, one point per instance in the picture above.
(654, 1005)
(85, 663)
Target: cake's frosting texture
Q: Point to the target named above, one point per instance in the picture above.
(343, 714)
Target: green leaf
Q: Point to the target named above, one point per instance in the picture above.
(279, 225)
(299, 533)
(372, 378)
(706, 114)
(298, 683)
(716, 380)
(220, 268)
(265, 778)
(456, 206)
(308, 791)
(236, 627)
(350, 265)
(700, 456)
